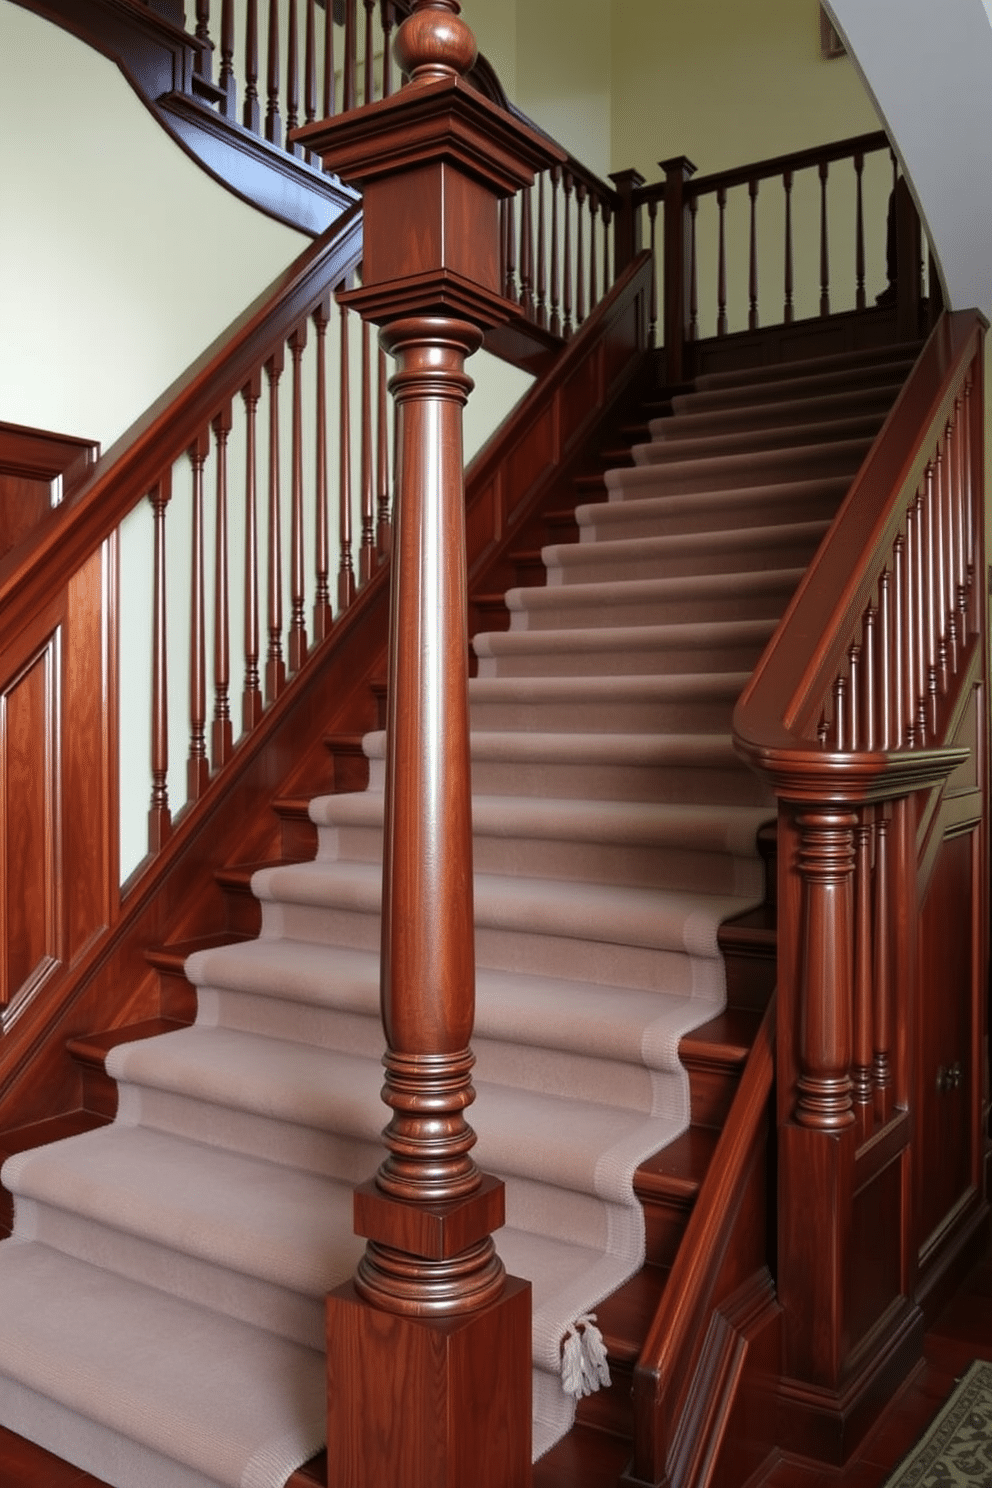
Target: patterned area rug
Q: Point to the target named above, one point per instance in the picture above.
(956, 1452)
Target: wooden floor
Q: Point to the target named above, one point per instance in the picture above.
(962, 1332)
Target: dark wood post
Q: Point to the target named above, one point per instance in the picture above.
(626, 219)
(677, 249)
(429, 1347)
(909, 261)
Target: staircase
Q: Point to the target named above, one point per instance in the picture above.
(163, 1288)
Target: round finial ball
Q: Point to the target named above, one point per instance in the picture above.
(434, 42)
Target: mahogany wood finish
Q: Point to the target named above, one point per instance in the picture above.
(38, 469)
(866, 721)
(717, 1318)
(687, 350)
(457, 1329)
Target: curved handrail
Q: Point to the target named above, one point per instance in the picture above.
(779, 716)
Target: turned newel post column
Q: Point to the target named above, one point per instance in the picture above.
(429, 1371)
(677, 253)
(826, 866)
(818, 1137)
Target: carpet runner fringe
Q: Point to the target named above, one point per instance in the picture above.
(163, 1291)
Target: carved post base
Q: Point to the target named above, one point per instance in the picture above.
(429, 1402)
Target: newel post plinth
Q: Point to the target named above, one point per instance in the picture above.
(429, 1368)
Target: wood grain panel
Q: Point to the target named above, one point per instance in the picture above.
(946, 952)
(30, 801)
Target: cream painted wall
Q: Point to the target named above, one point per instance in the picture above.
(103, 221)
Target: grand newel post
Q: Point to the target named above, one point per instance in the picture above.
(429, 1370)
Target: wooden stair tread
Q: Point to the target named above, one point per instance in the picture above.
(92, 1048)
(625, 1316)
(172, 957)
(237, 876)
(344, 743)
(677, 1171)
(50, 1129)
(584, 1458)
(724, 1040)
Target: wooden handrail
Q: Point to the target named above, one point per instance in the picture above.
(664, 1377)
(796, 160)
(134, 463)
(779, 708)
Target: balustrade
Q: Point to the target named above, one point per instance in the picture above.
(307, 488)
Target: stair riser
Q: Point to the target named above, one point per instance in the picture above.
(698, 716)
(516, 950)
(685, 476)
(596, 782)
(608, 521)
(680, 443)
(566, 610)
(611, 1410)
(665, 1225)
(660, 865)
(632, 662)
(277, 1309)
(584, 565)
(713, 392)
(694, 416)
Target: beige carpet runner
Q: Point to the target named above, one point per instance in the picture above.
(162, 1295)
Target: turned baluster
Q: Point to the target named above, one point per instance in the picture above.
(297, 617)
(509, 249)
(889, 734)
(159, 815)
(859, 236)
(825, 862)
(920, 585)
(346, 571)
(931, 589)
(369, 92)
(593, 286)
(824, 243)
(910, 616)
(197, 766)
(229, 106)
(864, 1031)
(580, 289)
(721, 271)
(652, 247)
(541, 306)
(607, 219)
(526, 254)
(693, 271)
(350, 80)
(869, 690)
(221, 736)
(882, 1032)
(383, 530)
(752, 271)
(273, 121)
(566, 272)
(555, 278)
(961, 520)
(330, 89)
(322, 594)
(852, 734)
(251, 697)
(901, 664)
(367, 556)
(840, 724)
(976, 598)
(387, 47)
(788, 311)
(941, 609)
(310, 68)
(275, 667)
(203, 59)
(251, 114)
(292, 77)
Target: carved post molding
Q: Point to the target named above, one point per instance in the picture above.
(429, 1347)
(826, 867)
